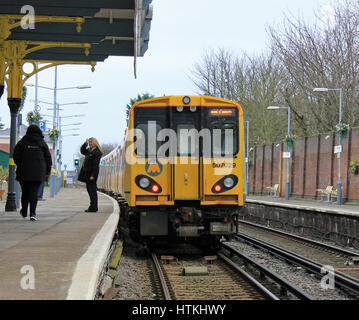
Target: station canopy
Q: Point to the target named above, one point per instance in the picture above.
(111, 27)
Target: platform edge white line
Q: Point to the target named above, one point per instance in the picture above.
(89, 266)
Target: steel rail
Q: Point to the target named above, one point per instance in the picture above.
(341, 280)
(294, 236)
(283, 283)
(249, 278)
(165, 289)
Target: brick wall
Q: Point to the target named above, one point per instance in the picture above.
(313, 166)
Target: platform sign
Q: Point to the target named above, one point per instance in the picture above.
(70, 180)
(286, 155)
(42, 125)
(338, 149)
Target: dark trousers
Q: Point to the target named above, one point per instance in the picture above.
(92, 191)
(40, 193)
(29, 196)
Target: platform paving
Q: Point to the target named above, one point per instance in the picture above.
(304, 204)
(59, 256)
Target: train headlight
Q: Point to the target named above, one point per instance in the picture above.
(193, 108)
(144, 183)
(228, 182)
(180, 108)
(186, 100)
(147, 184)
(225, 184)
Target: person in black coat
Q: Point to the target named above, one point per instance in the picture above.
(33, 160)
(90, 169)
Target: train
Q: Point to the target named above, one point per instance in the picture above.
(178, 173)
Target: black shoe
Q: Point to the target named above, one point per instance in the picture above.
(24, 215)
(33, 218)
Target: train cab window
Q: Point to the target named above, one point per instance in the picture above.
(224, 138)
(186, 144)
(146, 139)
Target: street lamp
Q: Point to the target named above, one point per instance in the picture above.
(63, 104)
(70, 124)
(60, 104)
(85, 86)
(247, 158)
(74, 129)
(288, 133)
(55, 104)
(339, 187)
(75, 115)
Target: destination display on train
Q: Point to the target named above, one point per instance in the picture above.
(221, 112)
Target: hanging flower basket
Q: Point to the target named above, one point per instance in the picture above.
(354, 168)
(53, 135)
(342, 129)
(290, 141)
(33, 117)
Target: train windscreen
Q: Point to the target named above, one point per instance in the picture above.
(215, 129)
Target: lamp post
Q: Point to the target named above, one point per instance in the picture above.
(57, 125)
(70, 135)
(288, 133)
(339, 187)
(72, 129)
(56, 109)
(247, 158)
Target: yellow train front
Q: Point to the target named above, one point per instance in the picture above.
(180, 168)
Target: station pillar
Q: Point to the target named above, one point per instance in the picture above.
(1, 90)
(14, 105)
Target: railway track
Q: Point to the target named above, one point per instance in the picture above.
(219, 279)
(312, 255)
(264, 273)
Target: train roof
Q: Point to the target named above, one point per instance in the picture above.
(204, 101)
(111, 154)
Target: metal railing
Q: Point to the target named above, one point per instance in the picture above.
(54, 182)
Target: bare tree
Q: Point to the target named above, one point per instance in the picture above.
(108, 147)
(253, 82)
(323, 55)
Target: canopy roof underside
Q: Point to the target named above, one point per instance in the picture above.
(111, 27)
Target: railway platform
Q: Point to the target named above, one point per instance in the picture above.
(304, 204)
(61, 255)
(322, 220)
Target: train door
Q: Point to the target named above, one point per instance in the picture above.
(186, 175)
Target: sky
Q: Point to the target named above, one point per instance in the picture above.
(181, 32)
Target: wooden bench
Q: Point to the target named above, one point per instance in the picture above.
(273, 189)
(325, 193)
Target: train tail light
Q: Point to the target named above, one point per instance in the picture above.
(147, 184)
(225, 184)
(155, 188)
